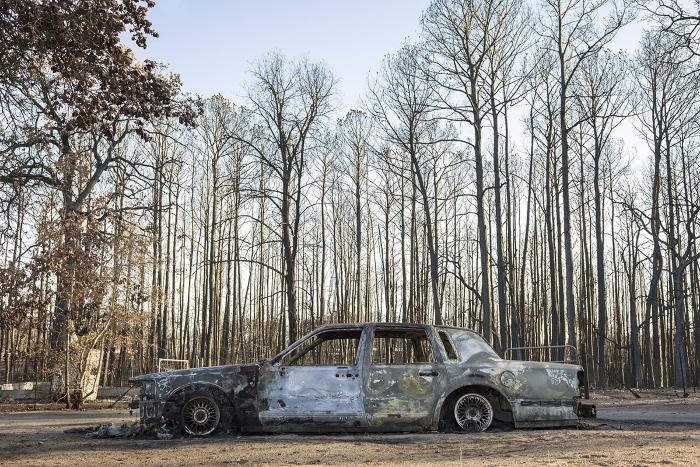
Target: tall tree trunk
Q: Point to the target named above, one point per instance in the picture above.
(498, 224)
(432, 249)
(600, 261)
(289, 256)
(568, 246)
(481, 219)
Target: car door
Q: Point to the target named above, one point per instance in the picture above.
(403, 376)
(315, 386)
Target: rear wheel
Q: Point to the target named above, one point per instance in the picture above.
(472, 413)
(200, 415)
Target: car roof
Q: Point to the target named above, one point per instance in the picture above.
(384, 325)
(350, 326)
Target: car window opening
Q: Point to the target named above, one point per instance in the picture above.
(331, 348)
(447, 344)
(401, 347)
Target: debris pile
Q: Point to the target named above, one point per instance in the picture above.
(125, 430)
(109, 430)
(164, 434)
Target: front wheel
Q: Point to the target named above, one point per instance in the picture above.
(200, 415)
(472, 413)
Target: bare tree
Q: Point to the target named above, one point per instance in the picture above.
(573, 35)
(289, 99)
(603, 99)
(504, 87)
(459, 42)
(402, 102)
(681, 21)
(354, 133)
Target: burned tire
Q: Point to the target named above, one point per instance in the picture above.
(200, 414)
(470, 413)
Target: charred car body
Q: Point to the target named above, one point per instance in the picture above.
(368, 377)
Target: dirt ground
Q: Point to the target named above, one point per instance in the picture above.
(657, 428)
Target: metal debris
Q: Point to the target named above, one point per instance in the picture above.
(125, 430)
(108, 430)
(164, 433)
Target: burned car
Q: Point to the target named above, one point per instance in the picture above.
(368, 377)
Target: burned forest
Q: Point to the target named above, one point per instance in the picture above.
(509, 169)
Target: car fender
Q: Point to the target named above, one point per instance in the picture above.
(477, 379)
(175, 396)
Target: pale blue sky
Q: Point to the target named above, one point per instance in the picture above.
(212, 42)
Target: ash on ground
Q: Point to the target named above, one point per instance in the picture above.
(125, 430)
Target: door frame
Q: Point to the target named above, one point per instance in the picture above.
(439, 363)
(273, 418)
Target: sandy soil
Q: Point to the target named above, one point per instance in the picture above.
(656, 429)
(617, 397)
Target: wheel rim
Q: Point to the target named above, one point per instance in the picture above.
(473, 413)
(200, 416)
